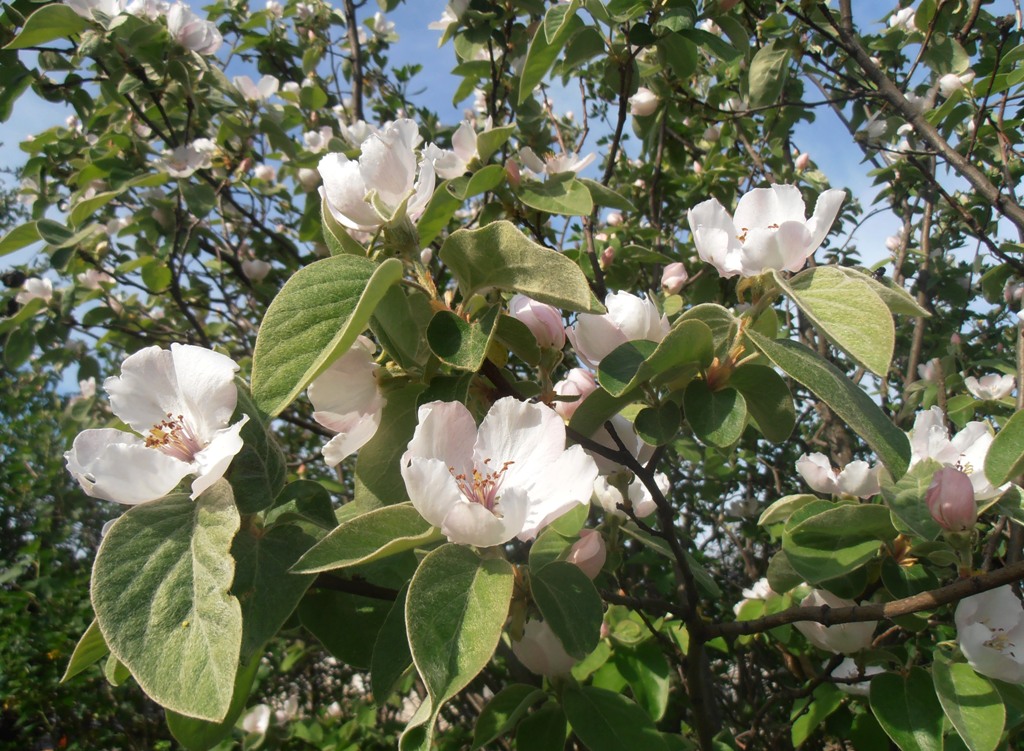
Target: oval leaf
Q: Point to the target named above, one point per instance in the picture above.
(971, 703)
(1005, 458)
(570, 605)
(717, 417)
(907, 710)
(607, 721)
(46, 24)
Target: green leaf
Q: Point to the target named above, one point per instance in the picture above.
(500, 256)
(264, 583)
(767, 74)
(782, 509)
(503, 711)
(369, 537)
(723, 324)
(658, 425)
(825, 544)
(47, 24)
(90, 649)
(391, 656)
(440, 208)
(200, 735)
(485, 179)
(907, 709)
(378, 480)
(454, 615)
(808, 714)
(257, 473)
(897, 299)
(607, 721)
(768, 400)
(847, 311)
(557, 18)
(647, 671)
(848, 401)
(543, 53)
(399, 323)
(781, 575)
(605, 196)
(906, 499)
(517, 336)
(160, 590)
(306, 501)
(346, 624)
(460, 343)
(634, 363)
(543, 730)
(598, 407)
(680, 54)
(570, 605)
(559, 194)
(971, 703)
(717, 417)
(548, 547)
(337, 238)
(1005, 458)
(489, 141)
(19, 237)
(314, 319)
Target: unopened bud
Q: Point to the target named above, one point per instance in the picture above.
(589, 552)
(426, 256)
(950, 500)
(607, 256)
(803, 161)
(512, 173)
(544, 321)
(673, 278)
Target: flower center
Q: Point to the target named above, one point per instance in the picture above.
(482, 487)
(174, 437)
(1001, 642)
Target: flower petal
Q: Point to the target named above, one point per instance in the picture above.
(345, 193)
(568, 482)
(352, 435)
(117, 466)
(472, 524)
(825, 212)
(431, 487)
(212, 462)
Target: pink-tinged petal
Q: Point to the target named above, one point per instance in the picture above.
(424, 190)
(636, 317)
(816, 469)
(858, 479)
(431, 487)
(568, 482)
(388, 166)
(117, 466)
(349, 385)
(206, 387)
(541, 652)
(446, 431)
(763, 207)
(146, 391)
(471, 524)
(352, 436)
(527, 437)
(593, 337)
(464, 141)
(345, 193)
(213, 461)
(781, 247)
(825, 212)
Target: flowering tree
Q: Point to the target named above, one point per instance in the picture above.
(642, 461)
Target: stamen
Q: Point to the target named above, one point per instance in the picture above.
(483, 487)
(174, 437)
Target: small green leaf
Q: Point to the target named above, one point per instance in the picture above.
(768, 400)
(559, 194)
(160, 590)
(647, 671)
(658, 425)
(971, 703)
(369, 537)
(906, 499)
(491, 140)
(399, 323)
(570, 605)
(717, 417)
(782, 509)
(454, 615)
(503, 711)
(848, 401)
(557, 18)
(19, 237)
(605, 196)
(483, 180)
(634, 363)
(543, 730)
(808, 714)
(608, 721)
(542, 54)
(824, 544)
(767, 74)
(907, 709)
(90, 649)
(848, 311)
(460, 343)
(314, 319)
(47, 24)
(1005, 458)
(500, 256)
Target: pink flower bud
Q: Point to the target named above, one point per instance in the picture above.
(426, 256)
(577, 382)
(955, 340)
(950, 500)
(607, 256)
(673, 278)
(309, 179)
(255, 269)
(589, 552)
(614, 219)
(803, 161)
(512, 173)
(698, 168)
(541, 652)
(544, 321)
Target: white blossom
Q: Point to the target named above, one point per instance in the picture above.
(35, 289)
(553, 164)
(256, 92)
(102, 11)
(929, 439)
(843, 638)
(191, 31)
(629, 318)
(857, 478)
(643, 103)
(990, 631)
(541, 652)
(992, 386)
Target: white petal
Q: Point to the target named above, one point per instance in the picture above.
(212, 462)
(206, 386)
(763, 207)
(464, 141)
(346, 192)
(348, 385)
(568, 482)
(825, 212)
(593, 337)
(388, 166)
(859, 479)
(528, 437)
(352, 436)
(816, 469)
(431, 487)
(446, 431)
(117, 466)
(471, 524)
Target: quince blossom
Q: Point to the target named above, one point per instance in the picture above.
(183, 161)
(553, 164)
(348, 401)
(673, 278)
(191, 31)
(628, 319)
(992, 386)
(843, 638)
(541, 651)
(179, 402)
(544, 321)
(857, 478)
(367, 193)
(644, 102)
(509, 478)
(35, 289)
(256, 92)
(770, 230)
(102, 11)
(454, 163)
(578, 382)
(990, 631)
(929, 439)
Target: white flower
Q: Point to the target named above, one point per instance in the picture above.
(191, 31)
(769, 230)
(903, 19)
(508, 479)
(87, 387)
(256, 92)
(609, 498)
(843, 638)
(148, 9)
(930, 371)
(308, 178)
(452, 13)
(589, 552)
(357, 132)
(577, 382)
(257, 720)
(94, 279)
(381, 26)
(264, 172)
(951, 82)
(544, 321)
(742, 508)
(857, 478)
(183, 161)
(102, 11)
(541, 652)
(317, 140)
(929, 439)
(673, 278)
(992, 386)
(180, 401)
(367, 193)
(255, 269)
(990, 631)
(553, 164)
(35, 289)
(644, 102)
(288, 711)
(275, 9)
(348, 401)
(454, 163)
(761, 590)
(848, 669)
(629, 318)
(803, 161)
(893, 243)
